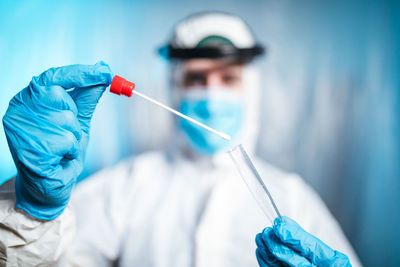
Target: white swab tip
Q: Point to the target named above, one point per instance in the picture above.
(225, 136)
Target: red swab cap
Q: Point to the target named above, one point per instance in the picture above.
(121, 86)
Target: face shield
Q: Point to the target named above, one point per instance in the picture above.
(213, 81)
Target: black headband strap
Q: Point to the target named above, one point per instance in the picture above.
(170, 52)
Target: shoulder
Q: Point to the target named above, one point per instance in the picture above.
(294, 196)
(289, 182)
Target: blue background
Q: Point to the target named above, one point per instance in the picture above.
(331, 91)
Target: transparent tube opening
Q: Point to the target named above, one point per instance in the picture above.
(254, 182)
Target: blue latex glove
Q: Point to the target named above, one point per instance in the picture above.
(47, 130)
(287, 244)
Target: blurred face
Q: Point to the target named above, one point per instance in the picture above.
(211, 93)
(212, 73)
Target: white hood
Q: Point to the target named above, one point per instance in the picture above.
(187, 34)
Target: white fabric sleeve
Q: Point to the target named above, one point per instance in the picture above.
(26, 241)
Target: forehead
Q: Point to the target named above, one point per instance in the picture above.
(208, 65)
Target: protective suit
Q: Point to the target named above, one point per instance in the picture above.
(174, 207)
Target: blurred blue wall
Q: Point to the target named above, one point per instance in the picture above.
(331, 91)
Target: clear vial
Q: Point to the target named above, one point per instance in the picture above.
(255, 184)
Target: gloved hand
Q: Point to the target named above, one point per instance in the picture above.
(287, 244)
(47, 129)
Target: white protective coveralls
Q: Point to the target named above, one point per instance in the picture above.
(167, 209)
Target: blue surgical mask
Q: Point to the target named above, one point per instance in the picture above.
(219, 108)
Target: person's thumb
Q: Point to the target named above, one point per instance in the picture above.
(86, 98)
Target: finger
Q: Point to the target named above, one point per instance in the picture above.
(65, 119)
(50, 98)
(264, 257)
(86, 100)
(293, 236)
(56, 134)
(89, 83)
(259, 239)
(36, 163)
(76, 76)
(54, 97)
(56, 109)
(72, 168)
(65, 145)
(281, 252)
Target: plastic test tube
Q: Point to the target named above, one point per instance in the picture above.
(254, 182)
(121, 86)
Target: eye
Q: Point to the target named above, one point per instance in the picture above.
(195, 79)
(231, 79)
